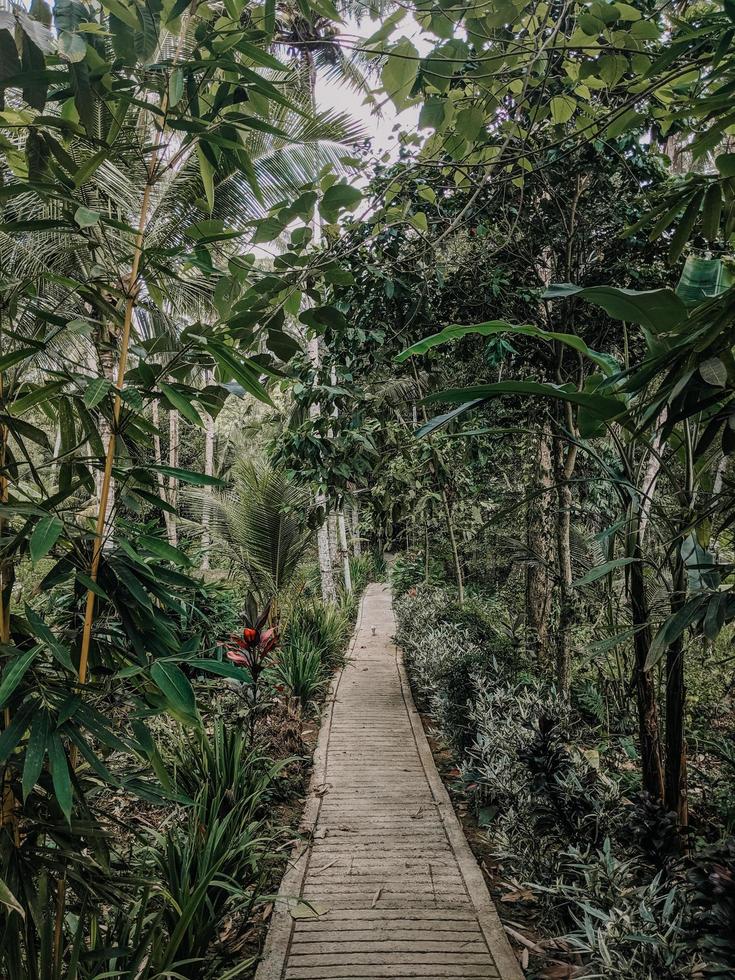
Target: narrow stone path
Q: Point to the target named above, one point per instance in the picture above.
(385, 884)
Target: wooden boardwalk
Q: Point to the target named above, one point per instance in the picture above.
(392, 887)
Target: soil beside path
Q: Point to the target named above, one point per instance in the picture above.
(392, 887)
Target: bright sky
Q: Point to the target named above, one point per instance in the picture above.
(384, 128)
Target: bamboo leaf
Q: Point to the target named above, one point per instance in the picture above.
(60, 775)
(14, 672)
(45, 535)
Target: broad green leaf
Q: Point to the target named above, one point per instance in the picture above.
(657, 309)
(86, 218)
(206, 172)
(164, 550)
(562, 108)
(399, 72)
(175, 687)
(603, 406)
(339, 197)
(440, 420)
(45, 535)
(600, 571)
(607, 363)
(673, 628)
(14, 672)
(16, 356)
(241, 369)
(189, 476)
(181, 403)
(222, 668)
(725, 163)
(95, 391)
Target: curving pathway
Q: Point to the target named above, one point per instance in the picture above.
(385, 884)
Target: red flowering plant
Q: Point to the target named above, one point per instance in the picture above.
(252, 651)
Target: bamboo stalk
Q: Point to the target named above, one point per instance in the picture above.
(110, 454)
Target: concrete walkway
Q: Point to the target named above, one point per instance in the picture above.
(392, 887)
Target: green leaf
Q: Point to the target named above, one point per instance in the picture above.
(339, 197)
(189, 476)
(181, 403)
(35, 752)
(175, 687)
(8, 899)
(85, 171)
(164, 550)
(600, 571)
(562, 109)
(222, 668)
(86, 218)
(711, 211)
(60, 775)
(603, 406)
(607, 363)
(657, 309)
(16, 356)
(13, 673)
(73, 47)
(399, 72)
(440, 420)
(242, 369)
(206, 171)
(96, 391)
(45, 535)
(725, 163)
(673, 628)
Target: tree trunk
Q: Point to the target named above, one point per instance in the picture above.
(453, 546)
(564, 462)
(342, 531)
(355, 529)
(539, 578)
(676, 753)
(107, 367)
(648, 728)
(158, 457)
(208, 471)
(173, 460)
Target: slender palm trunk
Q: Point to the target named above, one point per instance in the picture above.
(539, 542)
(173, 460)
(648, 726)
(160, 479)
(453, 546)
(676, 751)
(206, 505)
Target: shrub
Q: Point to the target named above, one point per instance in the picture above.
(325, 627)
(299, 670)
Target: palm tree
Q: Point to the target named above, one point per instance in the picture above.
(261, 520)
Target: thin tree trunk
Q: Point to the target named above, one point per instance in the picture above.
(107, 360)
(564, 463)
(173, 460)
(208, 471)
(648, 727)
(676, 753)
(355, 529)
(158, 457)
(342, 532)
(453, 546)
(539, 578)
